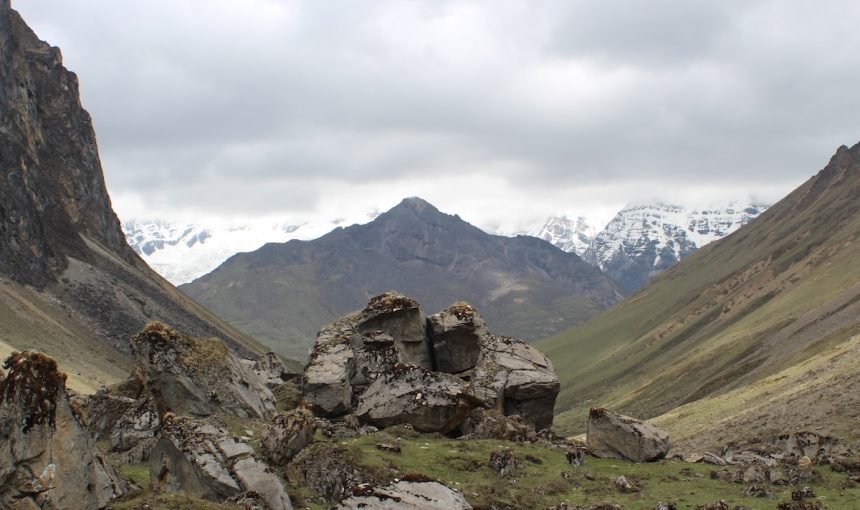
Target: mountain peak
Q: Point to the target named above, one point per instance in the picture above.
(416, 204)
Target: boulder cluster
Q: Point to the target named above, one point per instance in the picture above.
(389, 365)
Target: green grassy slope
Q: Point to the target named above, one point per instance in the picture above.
(775, 293)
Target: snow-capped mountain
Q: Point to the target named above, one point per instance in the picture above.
(643, 240)
(182, 251)
(571, 234)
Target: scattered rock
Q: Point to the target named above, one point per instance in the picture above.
(758, 491)
(388, 448)
(533, 459)
(455, 336)
(804, 493)
(624, 485)
(716, 460)
(48, 459)
(197, 376)
(503, 461)
(716, 505)
(576, 457)
(665, 506)
(429, 401)
(622, 437)
(206, 462)
(693, 458)
(428, 495)
(287, 435)
(490, 424)
(329, 470)
(800, 505)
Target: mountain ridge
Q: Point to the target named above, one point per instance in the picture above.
(415, 249)
(774, 293)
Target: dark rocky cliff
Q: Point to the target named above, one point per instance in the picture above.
(66, 270)
(54, 190)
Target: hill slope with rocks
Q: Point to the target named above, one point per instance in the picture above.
(67, 276)
(741, 331)
(281, 293)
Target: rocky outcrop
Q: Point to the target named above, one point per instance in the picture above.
(271, 370)
(206, 462)
(429, 401)
(622, 437)
(371, 363)
(404, 494)
(455, 335)
(330, 470)
(197, 376)
(48, 459)
(288, 434)
(127, 423)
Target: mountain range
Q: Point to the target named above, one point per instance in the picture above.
(69, 284)
(753, 334)
(283, 292)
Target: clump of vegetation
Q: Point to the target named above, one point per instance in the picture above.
(36, 381)
(194, 353)
(390, 302)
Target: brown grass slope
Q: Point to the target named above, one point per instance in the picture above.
(778, 292)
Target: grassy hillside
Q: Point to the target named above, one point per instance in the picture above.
(776, 293)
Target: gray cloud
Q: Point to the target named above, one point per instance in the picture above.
(263, 106)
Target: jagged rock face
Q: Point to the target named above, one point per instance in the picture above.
(622, 437)
(48, 459)
(403, 494)
(205, 461)
(398, 317)
(288, 434)
(429, 401)
(455, 336)
(351, 371)
(196, 376)
(54, 189)
(271, 370)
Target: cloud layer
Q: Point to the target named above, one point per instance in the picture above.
(495, 110)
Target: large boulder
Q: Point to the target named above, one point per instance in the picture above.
(48, 459)
(516, 379)
(399, 317)
(455, 337)
(204, 461)
(197, 376)
(288, 434)
(622, 437)
(429, 401)
(359, 365)
(406, 494)
(330, 470)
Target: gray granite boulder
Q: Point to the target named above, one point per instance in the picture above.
(359, 365)
(204, 461)
(455, 337)
(429, 401)
(288, 434)
(405, 494)
(197, 376)
(617, 436)
(516, 379)
(48, 459)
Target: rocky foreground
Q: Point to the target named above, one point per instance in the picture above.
(395, 410)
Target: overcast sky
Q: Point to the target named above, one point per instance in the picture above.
(500, 111)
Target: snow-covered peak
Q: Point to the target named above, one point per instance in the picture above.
(643, 240)
(183, 251)
(571, 234)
